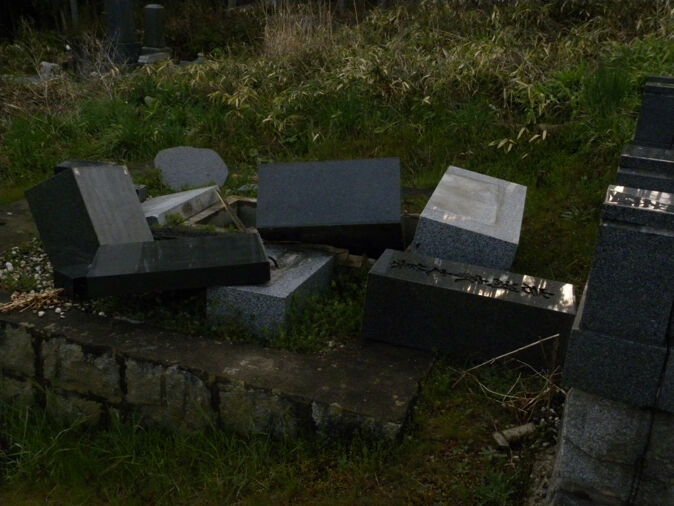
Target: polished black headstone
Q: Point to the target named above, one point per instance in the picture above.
(80, 209)
(154, 25)
(655, 126)
(468, 311)
(352, 204)
(631, 285)
(646, 168)
(122, 30)
(193, 262)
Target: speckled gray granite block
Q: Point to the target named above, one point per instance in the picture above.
(631, 284)
(353, 204)
(472, 218)
(655, 126)
(296, 274)
(468, 311)
(186, 167)
(184, 204)
(646, 168)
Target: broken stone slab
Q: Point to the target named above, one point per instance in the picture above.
(296, 275)
(472, 218)
(82, 208)
(187, 167)
(468, 311)
(152, 58)
(191, 262)
(353, 204)
(368, 388)
(646, 168)
(655, 126)
(631, 284)
(183, 204)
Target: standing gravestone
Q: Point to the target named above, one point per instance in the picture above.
(472, 218)
(647, 168)
(466, 310)
(353, 204)
(186, 167)
(296, 275)
(617, 439)
(154, 19)
(122, 30)
(655, 126)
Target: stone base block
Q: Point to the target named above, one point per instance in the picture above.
(296, 274)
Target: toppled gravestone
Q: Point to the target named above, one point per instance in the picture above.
(99, 242)
(465, 310)
(187, 167)
(296, 275)
(472, 218)
(183, 204)
(352, 204)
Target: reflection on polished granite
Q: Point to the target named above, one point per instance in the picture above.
(117, 269)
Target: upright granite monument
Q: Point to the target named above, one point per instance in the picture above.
(122, 30)
(617, 438)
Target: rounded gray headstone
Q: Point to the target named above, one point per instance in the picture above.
(186, 167)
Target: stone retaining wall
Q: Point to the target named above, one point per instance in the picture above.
(95, 367)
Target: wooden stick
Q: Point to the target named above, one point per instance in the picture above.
(530, 345)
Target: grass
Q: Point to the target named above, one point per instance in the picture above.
(445, 457)
(545, 94)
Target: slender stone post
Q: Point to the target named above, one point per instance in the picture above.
(122, 30)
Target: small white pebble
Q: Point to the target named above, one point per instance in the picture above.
(40, 314)
(57, 310)
(101, 313)
(9, 266)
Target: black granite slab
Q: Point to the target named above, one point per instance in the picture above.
(353, 204)
(647, 168)
(468, 311)
(80, 209)
(194, 262)
(619, 369)
(655, 126)
(631, 284)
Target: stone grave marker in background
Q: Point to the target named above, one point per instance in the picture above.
(647, 168)
(122, 30)
(655, 126)
(616, 444)
(154, 25)
(296, 275)
(353, 204)
(183, 204)
(472, 218)
(465, 310)
(186, 167)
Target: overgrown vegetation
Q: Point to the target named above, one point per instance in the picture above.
(542, 94)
